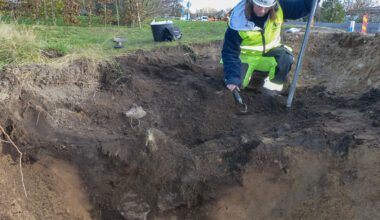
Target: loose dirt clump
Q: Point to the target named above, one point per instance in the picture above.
(192, 154)
(52, 53)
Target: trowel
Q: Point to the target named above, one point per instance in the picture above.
(238, 98)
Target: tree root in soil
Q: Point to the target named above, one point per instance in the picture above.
(20, 157)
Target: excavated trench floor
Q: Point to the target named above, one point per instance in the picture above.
(194, 155)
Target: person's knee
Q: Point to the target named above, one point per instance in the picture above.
(285, 61)
(287, 58)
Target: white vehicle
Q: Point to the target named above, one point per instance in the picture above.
(204, 18)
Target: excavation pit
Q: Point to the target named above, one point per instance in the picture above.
(191, 156)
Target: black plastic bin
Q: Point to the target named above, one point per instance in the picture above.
(158, 29)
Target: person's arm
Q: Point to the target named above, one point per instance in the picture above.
(230, 54)
(294, 9)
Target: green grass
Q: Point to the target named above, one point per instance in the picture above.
(19, 45)
(94, 42)
(96, 21)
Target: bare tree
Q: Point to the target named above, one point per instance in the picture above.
(152, 7)
(53, 12)
(117, 12)
(33, 8)
(133, 10)
(210, 12)
(45, 13)
(90, 7)
(70, 12)
(358, 4)
(173, 7)
(107, 13)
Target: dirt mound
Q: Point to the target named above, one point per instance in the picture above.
(187, 152)
(345, 63)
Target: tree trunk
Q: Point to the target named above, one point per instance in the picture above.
(37, 12)
(45, 13)
(14, 16)
(138, 14)
(53, 12)
(117, 12)
(90, 19)
(105, 14)
(89, 12)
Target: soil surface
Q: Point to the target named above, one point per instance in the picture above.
(155, 135)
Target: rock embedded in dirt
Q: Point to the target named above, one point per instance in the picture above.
(165, 201)
(3, 96)
(150, 140)
(133, 208)
(136, 112)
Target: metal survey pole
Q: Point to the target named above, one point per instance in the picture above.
(300, 57)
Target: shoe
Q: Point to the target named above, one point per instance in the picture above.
(268, 92)
(272, 86)
(271, 89)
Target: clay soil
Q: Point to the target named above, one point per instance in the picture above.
(194, 155)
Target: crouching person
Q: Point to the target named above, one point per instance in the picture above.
(253, 42)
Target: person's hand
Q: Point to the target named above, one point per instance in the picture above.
(232, 87)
